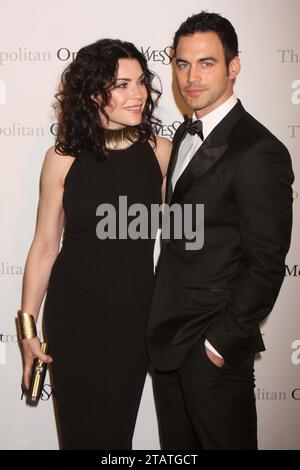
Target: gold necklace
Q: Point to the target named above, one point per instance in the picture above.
(120, 139)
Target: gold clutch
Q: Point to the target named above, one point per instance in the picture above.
(38, 374)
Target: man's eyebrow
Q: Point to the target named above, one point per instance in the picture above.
(181, 60)
(203, 59)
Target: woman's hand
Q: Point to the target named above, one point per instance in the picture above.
(32, 349)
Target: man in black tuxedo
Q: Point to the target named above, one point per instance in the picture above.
(204, 322)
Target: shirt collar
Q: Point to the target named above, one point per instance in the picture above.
(212, 119)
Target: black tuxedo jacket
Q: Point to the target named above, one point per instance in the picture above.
(243, 175)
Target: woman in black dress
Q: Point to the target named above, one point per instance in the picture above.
(99, 285)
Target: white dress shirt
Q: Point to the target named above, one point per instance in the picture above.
(191, 144)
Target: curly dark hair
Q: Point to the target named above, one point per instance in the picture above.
(94, 71)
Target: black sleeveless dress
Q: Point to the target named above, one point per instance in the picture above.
(98, 300)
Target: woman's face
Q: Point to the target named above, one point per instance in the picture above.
(128, 96)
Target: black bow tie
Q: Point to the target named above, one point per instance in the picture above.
(194, 127)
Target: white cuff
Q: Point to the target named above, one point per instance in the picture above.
(212, 349)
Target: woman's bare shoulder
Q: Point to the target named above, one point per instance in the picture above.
(162, 149)
(55, 165)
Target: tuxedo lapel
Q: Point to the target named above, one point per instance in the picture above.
(178, 138)
(208, 153)
(203, 159)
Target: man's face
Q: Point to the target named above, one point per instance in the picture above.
(203, 78)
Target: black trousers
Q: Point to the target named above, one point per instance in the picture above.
(202, 406)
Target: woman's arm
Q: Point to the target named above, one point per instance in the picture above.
(44, 247)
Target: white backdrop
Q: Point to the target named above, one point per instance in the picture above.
(37, 40)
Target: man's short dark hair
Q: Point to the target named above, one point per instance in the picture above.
(205, 22)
